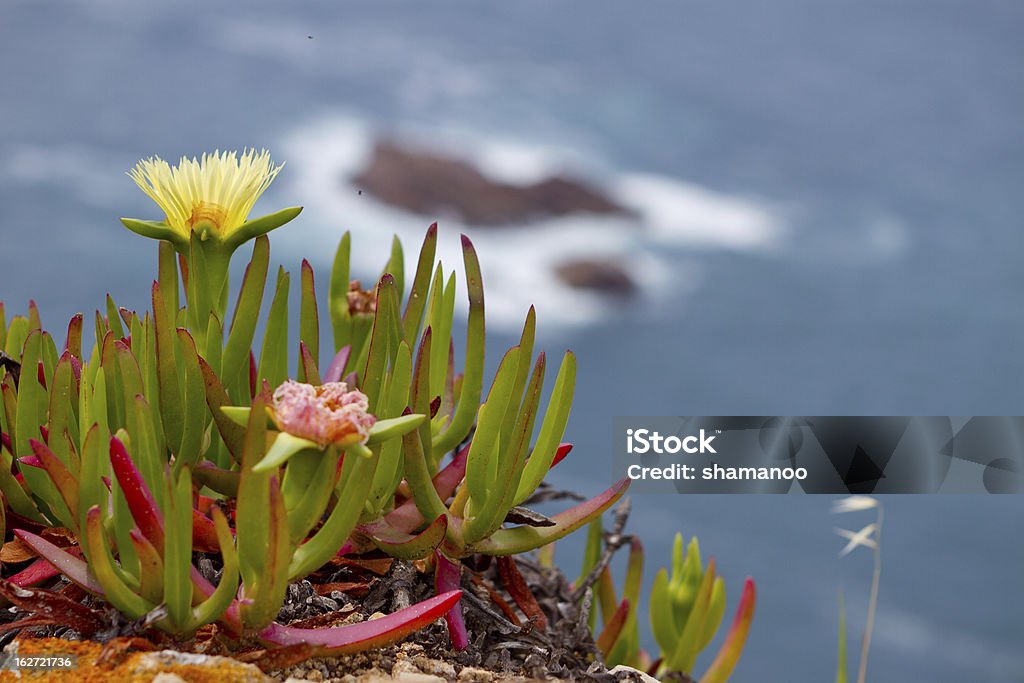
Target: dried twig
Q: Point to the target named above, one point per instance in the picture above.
(613, 540)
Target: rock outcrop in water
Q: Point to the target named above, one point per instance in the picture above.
(596, 274)
(434, 185)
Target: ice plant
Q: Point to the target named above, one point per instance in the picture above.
(686, 612)
(206, 204)
(209, 197)
(179, 410)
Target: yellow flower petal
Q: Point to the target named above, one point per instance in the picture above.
(212, 195)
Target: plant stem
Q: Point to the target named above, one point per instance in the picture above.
(873, 602)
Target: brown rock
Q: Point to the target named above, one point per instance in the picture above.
(601, 275)
(431, 184)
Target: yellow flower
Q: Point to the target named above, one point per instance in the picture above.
(211, 196)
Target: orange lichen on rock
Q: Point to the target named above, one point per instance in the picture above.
(131, 667)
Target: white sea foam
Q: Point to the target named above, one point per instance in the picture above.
(660, 243)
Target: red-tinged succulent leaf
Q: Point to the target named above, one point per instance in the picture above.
(605, 590)
(563, 450)
(69, 565)
(407, 516)
(735, 639)
(65, 482)
(141, 503)
(397, 543)
(613, 629)
(151, 567)
(308, 365)
(524, 538)
(520, 592)
(216, 398)
(54, 607)
(367, 634)
(217, 479)
(204, 534)
(338, 364)
(5, 441)
(448, 577)
(31, 461)
(254, 374)
(74, 338)
(41, 570)
(232, 618)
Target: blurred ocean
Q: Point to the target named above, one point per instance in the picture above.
(828, 221)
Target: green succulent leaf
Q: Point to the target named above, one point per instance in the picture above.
(284, 447)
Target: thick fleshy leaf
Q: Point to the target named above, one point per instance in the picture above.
(337, 366)
(397, 543)
(141, 503)
(172, 411)
(482, 452)
(341, 320)
(257, 227)
(367, 634)
(381, 342)
(525, 538)
(735, 639)
(413, 316)
(218, 603)
(508, 468)
(448, 577)
(101, 563)
(309, 327)
(552, 428)
(407, 517)
(285, 446)
(151, 565)
(68, 564)
(65, 482)
(382, 430)
(217, 479)
(473, 374)
(356, 479)
(245, 317)
(613, 628)
(685, 652)
(158, 230)
(273, 366)
(190, 449)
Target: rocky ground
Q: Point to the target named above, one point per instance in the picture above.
(505, 644)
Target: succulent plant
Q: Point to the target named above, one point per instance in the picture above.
(135, 449)
(686, 607)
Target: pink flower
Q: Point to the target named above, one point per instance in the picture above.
(327, 414)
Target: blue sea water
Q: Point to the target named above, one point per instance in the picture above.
(830, 224)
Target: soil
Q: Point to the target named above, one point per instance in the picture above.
(504, 644)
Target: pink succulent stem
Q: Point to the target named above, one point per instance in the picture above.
(448, 577)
